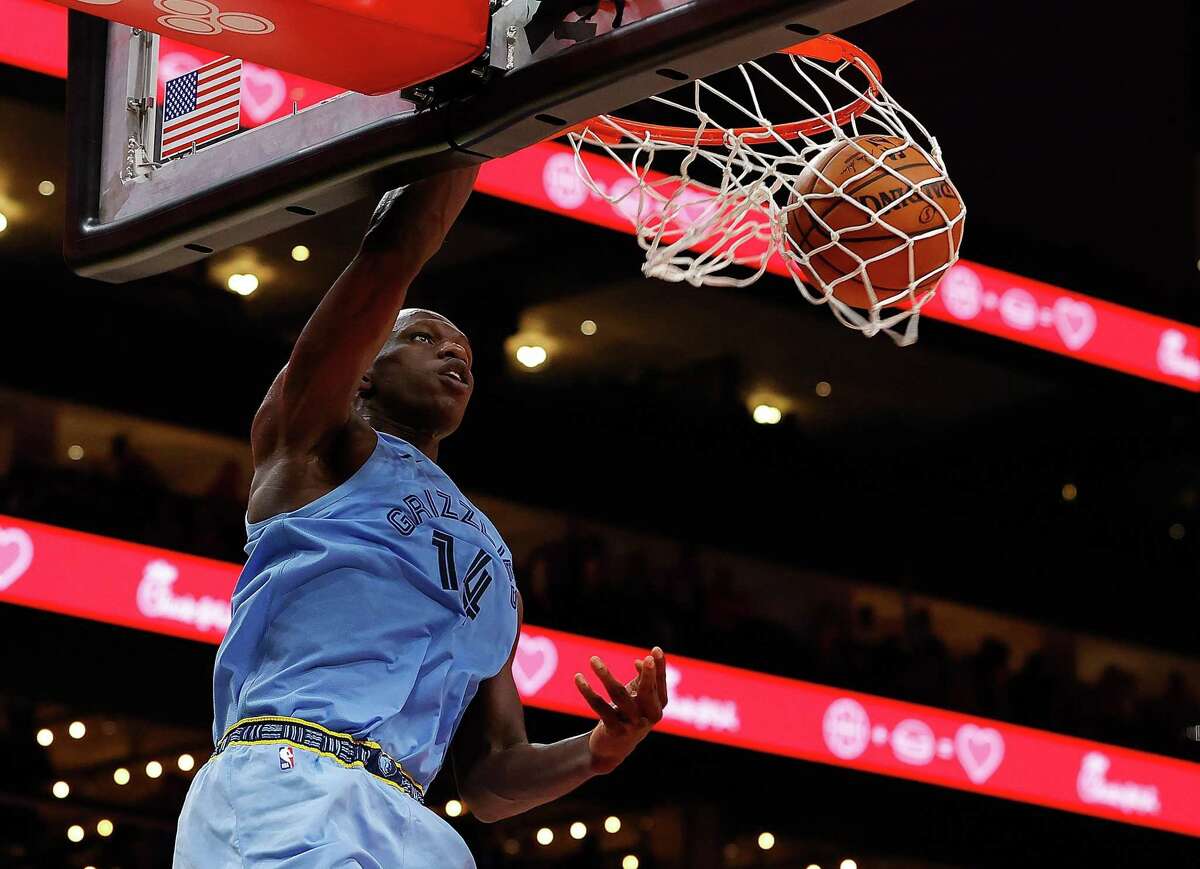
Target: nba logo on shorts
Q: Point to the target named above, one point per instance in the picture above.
(287, 757)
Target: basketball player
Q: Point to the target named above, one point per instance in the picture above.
(375, 622)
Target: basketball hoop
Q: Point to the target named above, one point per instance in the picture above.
(711, 196)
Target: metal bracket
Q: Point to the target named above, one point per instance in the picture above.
(457, 83)
(141, 106)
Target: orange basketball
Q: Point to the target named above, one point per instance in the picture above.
(876, 192)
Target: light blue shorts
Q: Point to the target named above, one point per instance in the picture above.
(244, 810)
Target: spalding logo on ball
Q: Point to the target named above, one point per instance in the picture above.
(875, 214)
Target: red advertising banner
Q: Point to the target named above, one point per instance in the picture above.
(157, 590)
(112, 581)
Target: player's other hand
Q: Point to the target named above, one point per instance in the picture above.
(630, 710)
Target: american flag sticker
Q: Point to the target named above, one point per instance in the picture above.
(287, 757)
(201, 107)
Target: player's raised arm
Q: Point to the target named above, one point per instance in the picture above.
(312, 397)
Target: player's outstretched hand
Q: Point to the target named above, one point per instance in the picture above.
(630, 712)
(419, 216)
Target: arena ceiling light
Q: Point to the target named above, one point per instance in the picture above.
(531, 355)
(767, 414)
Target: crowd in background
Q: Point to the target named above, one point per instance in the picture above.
(691, 607)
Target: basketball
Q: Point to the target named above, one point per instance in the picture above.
(876, 193)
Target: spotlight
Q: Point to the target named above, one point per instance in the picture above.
(75, 833)
(630, 861)
(104, 827)
(588, 327)
(3, 222)
(61, 789)
(75, 452)
(45, 737)
(578, 830)
(46, 188)
(1069, 492)
(300, 253)
(531, 356)
(121, 775)
(612, 824)
(154, 769)
(766, 841)
(243, 285)
(824, 389)
(77, 730)
(186, 762)
(454, 808)
(766, 414)
(848, 864)
(545, 836)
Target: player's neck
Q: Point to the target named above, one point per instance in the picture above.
(424, 441)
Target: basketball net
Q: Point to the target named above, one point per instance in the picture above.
(731, 227)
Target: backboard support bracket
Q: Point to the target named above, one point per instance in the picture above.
(140, 106)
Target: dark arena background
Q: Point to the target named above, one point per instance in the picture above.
(932, 606)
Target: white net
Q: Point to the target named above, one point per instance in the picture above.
(713, 194)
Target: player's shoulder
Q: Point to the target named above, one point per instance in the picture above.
(287, 477)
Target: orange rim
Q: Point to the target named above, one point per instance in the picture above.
(611, 129)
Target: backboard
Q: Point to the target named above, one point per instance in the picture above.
(133, 212)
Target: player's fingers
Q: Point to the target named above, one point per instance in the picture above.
(648, 700)
(618, 692)
(599, 705)
(660, 668)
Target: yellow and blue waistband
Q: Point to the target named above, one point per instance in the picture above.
(339, 747)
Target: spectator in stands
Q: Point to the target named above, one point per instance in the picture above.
(926, 675)
(130, 467)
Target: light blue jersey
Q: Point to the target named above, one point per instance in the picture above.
(375, 611)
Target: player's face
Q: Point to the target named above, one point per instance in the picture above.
(423, 375)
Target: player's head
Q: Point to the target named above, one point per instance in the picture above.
(422, 376)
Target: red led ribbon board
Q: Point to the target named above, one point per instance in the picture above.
(157, 590)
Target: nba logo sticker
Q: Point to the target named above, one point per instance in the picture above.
(287, 758)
